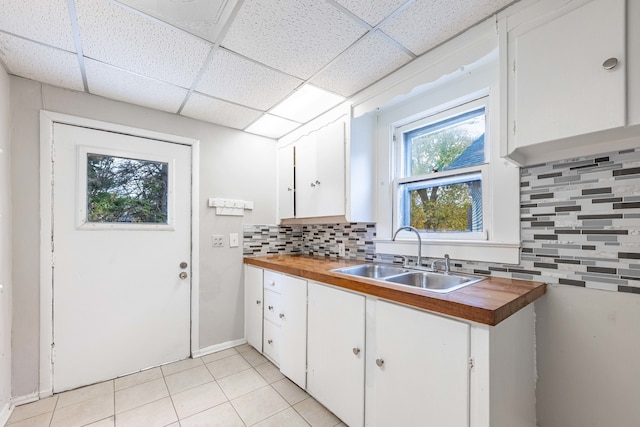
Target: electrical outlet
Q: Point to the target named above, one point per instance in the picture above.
(341, 249)
(217, 241)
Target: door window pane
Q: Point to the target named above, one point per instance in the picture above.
(123, 190)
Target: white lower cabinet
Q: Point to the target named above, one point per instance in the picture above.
(418, 369)
(376, 363)
(285, 324)
(253, 285)
(336, 351)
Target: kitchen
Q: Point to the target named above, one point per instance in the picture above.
(582, 331)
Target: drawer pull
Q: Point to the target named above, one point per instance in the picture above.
(258, 301)
(270, 341)
(270, 307)
(356, 351)
(610, 63)
(272, 282)
(281, 315)
(379, 362)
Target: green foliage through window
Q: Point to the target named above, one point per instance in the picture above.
(445, 204)
(121, 190)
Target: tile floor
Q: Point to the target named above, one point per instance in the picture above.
(234, 387)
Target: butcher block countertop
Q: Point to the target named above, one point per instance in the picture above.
(489, 301)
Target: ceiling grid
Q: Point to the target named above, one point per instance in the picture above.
(229, 62)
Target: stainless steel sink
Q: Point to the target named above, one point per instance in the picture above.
(373, 271)
(432, 281)
(436, 282)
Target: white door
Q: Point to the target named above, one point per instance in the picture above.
(293, 333)
(121, 253)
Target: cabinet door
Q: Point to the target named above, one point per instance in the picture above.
(293, 333)
(558, 86)
(421, 369)
(253, 302)
(305, 172)
(335, 351)
(285, 182)
(330, 170)
(272, 341)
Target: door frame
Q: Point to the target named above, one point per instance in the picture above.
(47, 120)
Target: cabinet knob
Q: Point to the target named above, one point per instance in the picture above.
(258, 301)
(313, 184)
(356, 351)
(270, 341)
(281, 315)
(270, 307)
(379, 362)
(272, 283)
(610, 63)
(317, 182)
(289, 189)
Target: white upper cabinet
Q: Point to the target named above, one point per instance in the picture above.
(286, 184)
(332, 169)
(565, 70)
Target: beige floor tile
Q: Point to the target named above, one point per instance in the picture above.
(219, 355)
(287, 418)
(139, 395)
(291, 392)
(198, 399)
(107, 422)
(241, 383)
(242, 348)
(137, 378)
(316, 414)
(158, 413)
(174, 425)
(188, 379)
(221, 416)
(253, 357)
(84, 412)
(259, 405)
(85, 393)
(33, 409)
(41, 420)
(181, 365)
(228, 366)
(269, 372)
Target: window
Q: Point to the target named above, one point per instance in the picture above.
(440, 172)
(122, 190)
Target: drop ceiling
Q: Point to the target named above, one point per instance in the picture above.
(229, 62)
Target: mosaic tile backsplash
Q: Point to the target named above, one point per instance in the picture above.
(580, 226)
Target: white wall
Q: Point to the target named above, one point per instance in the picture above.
(5, 246)
(588, 348)
(233, 164)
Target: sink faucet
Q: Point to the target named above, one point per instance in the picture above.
(447, 265)
(409, 228)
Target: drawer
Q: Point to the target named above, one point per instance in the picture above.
(278, 281)
(271, 344)
(272, 306)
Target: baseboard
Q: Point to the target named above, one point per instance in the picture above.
(5, 413)
(218, 347)
(25, 398)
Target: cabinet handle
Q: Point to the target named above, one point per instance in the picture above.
(610, 63)
(270, 341)
(258, 301)
(379, 362)
(281, 315)
(270, 307)
(317, 182)
(356, 351)
(312, 184)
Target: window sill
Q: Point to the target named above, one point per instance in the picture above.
(483, 251)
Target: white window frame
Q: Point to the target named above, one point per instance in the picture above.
(400, 177)
(500, 179)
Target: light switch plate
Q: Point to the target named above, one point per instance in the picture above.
(233, 240)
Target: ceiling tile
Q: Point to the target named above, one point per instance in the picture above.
(234, 78)
(114, 83)
(119, 36)
(297, 37)
(425, 24)
(212, 110)
(363, 64)
(372, 12)
(43, 21)
(204, 18)
(42, 63)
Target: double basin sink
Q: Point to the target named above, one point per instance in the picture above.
(430, 280)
